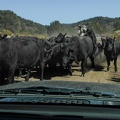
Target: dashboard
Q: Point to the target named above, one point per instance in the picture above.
(29, 107)
(57, 112)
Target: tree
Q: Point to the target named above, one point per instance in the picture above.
(55, 28)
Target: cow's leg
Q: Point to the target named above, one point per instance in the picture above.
(61, 69)
(28, 75)
(108, 64)
(20, 73)
(92, 61)
(2, 77)
(11, 72)
(52, 67)
(69, 66)
(41, 70)
(75, 59)
(115, 64)
(83, 67)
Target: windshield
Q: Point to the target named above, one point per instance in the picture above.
(60, 44)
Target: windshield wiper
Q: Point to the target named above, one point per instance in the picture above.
(48, 95)
(57, 91)
(38, 90)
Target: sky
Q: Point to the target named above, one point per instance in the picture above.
(64, 11)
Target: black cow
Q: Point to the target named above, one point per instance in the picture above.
(60, 38)
(56, 57)
(57, 51)
(84, 46)
(22, 52)
(29, 53)
(79, 49)
(111, 50)
(68, 56)
(8, 60)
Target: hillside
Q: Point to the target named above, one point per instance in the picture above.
(104, 25)
(15, 24)
(10, 21)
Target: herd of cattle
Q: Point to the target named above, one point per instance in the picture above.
(27, 52)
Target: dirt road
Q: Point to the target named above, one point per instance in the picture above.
(98, 75)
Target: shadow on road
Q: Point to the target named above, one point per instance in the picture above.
(115, 79)
(49, 73)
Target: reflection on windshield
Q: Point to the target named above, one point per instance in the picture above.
(83, 51)
(59, 59)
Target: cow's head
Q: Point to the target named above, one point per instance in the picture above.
(56, 49)
(47, 44)
(67, 51)
(84, 30)
(109, 46)
(103, 39)
(68, 56)
(48, 54)
(60, 38)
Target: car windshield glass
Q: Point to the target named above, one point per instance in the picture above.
(60, 48)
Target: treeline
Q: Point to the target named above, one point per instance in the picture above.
(103, 26)
(12, 24)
